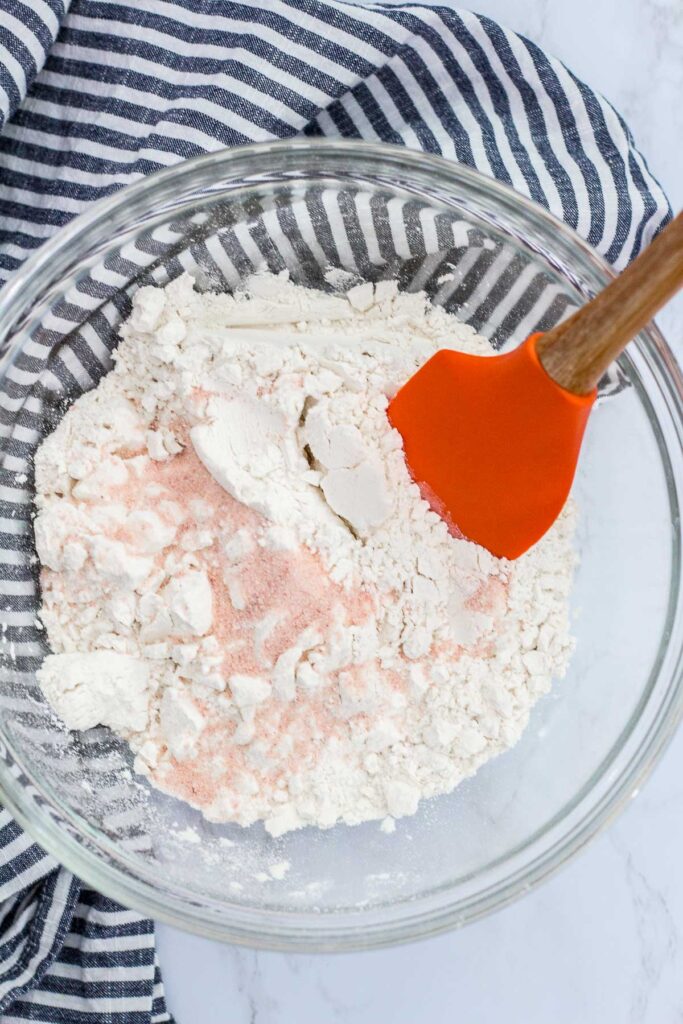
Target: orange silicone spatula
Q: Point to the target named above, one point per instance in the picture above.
(493, 441)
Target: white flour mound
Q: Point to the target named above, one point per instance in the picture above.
(241, 579)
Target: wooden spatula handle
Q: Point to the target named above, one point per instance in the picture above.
(577, 352)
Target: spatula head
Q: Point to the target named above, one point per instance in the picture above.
(493, 443)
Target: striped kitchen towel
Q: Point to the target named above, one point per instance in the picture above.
(69, 955)
(94, 95)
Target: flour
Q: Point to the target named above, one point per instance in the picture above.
(241, 579)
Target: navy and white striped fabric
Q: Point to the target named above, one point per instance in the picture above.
(94, 95)
(127, 87)
(68, 954)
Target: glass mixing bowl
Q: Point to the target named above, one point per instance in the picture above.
(508, 267)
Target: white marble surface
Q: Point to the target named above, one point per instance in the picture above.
(602, 942)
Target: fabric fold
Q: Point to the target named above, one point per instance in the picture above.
(27, 33)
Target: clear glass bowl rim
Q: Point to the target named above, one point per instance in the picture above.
(435, 912)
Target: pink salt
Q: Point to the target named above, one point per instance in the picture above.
(296, 587)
